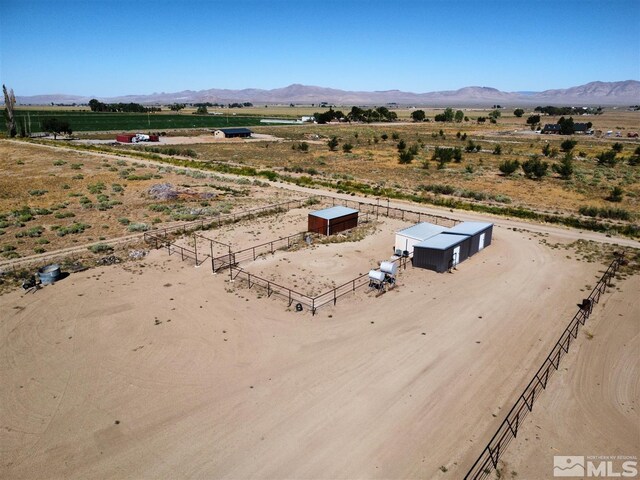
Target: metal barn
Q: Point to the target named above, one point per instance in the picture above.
(441, 252)
(480, 233)
(232, 133)
(332, 220)
(408, 237)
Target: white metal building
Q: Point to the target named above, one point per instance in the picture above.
(407, 238)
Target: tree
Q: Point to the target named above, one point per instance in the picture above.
(567, 126)
(384, 136)
(481, 119)
(405, 156)
(565, 167)
(401, 145)
(447, 116)
(418, 115)
(333, 143)
(56, 126)
(518, 112)
(508, 167)
(9, 104)
(202, 110)
(617, 147)
(607, 158)
(347, 147)
(176, 107)
(459, 116)
(533, 120)
(495, 114)
(568, 145)
(535, 168)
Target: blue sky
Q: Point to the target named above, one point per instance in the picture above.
(109, 47)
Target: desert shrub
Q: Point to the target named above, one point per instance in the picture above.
(613, 213)
(616, 194)
(347, 147)
(96, 188)
(497, 150)
(76, 166)
(124, 221)
(607, 158)
(138, 227)
(617, 147)
(565, 167)
(405, 157)
(59, 163)
(508, 167)
(568, 145)
(72, 229)
(535, 168)
(37, 193)
(100, 248)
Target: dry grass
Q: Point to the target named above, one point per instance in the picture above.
(104, 197)
(377, 162)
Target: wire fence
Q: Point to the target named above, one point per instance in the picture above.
(378, 210)
(312, 303)
(223, 261)
(508, 429)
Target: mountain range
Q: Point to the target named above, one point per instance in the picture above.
(622, 93)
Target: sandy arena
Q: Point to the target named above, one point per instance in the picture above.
(158, 369)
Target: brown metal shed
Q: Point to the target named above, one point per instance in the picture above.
(332, 220)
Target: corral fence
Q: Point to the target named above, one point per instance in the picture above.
(508, 429)
(161, 238)
(221, 262)
(227, 218)
(312, 303)
(377, 210)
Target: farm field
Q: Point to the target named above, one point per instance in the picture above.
(158, 369)
(83, 121)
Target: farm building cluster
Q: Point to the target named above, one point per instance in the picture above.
(424, 245)
(430, 246)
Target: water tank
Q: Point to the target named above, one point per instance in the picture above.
(389, 267)
(376, 275)
(49, 274)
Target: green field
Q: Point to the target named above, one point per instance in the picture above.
(98, 122)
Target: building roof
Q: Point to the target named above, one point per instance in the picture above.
(469, 228)
(442, 241)
(333, 212)
(422, 231)
(233, 130)
(554, 127)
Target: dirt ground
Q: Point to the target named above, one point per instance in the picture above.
(157, 369)
(591, 407)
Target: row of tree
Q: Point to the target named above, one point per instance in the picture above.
(97, 106)
(357, 114)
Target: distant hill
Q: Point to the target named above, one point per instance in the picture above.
(594, 93)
